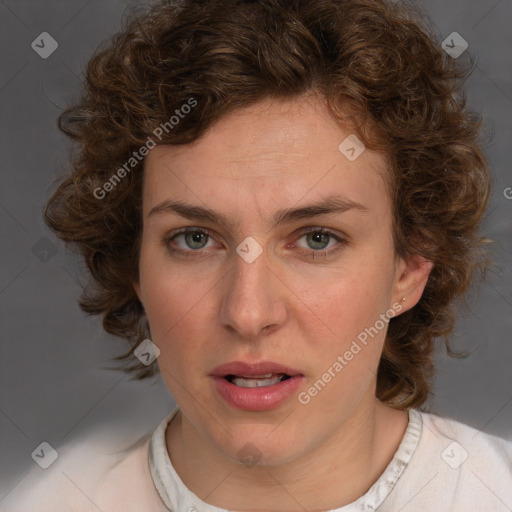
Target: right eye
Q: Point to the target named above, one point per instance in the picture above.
(188, 241)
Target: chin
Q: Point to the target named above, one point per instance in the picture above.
(263, 445)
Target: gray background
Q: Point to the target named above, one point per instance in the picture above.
(53, 385)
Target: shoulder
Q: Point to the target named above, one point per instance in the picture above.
(462, 440)
(456, 467)
(88, 476)
(128, 484)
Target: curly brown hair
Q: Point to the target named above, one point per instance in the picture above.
(377, 60)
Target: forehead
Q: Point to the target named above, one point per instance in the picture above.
(271, 152)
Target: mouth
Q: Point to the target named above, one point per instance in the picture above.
(257, 381)
(263, 373)
(255, 386)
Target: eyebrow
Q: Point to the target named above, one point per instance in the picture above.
(332, 204)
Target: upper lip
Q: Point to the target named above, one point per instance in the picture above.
(244, 369)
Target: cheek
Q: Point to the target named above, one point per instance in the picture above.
(345, 303)
(340, 320)
(173, 310)
(176, 318)
(172, 304)
(343, 345)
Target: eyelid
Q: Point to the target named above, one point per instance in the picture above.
(188, 229)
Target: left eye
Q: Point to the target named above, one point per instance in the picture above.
(319, 240)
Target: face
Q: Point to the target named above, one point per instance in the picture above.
(267, 253)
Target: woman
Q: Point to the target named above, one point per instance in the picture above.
(279, 203)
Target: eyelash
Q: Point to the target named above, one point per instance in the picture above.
(167, 241)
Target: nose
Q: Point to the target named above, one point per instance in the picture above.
(253, 303)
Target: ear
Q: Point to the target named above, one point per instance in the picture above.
(411, 278)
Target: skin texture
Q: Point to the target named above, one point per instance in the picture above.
(293, 305)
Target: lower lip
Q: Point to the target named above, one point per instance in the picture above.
(257, 399)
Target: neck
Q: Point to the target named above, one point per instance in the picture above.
(334, 474)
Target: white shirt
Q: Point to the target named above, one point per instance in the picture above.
(440, 465)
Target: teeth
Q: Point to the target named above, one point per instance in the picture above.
(269, 379)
